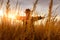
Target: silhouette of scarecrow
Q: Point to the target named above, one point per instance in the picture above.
(28, 24)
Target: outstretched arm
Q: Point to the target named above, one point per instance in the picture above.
(40, 17)
(37, 18)
(20, 17)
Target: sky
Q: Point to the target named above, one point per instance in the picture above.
(42, 5)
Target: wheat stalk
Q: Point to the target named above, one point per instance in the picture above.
(49, 19)
(50, 9)
(1, 3)
(34, 6)
(7, 6)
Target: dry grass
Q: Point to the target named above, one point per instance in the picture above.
(49, 31)
(17, 32)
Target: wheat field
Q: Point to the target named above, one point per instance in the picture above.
(50, 30)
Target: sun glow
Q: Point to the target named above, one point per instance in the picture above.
(1, 13)
(11, 16)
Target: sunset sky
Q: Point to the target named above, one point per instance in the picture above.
(42, 5)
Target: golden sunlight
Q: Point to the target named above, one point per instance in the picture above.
(12, 16)
(1, 13)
